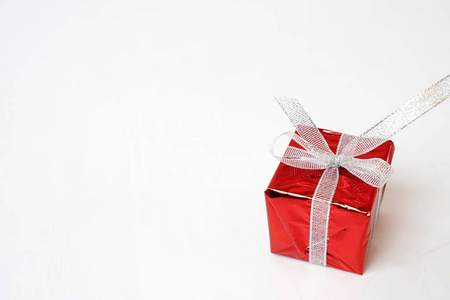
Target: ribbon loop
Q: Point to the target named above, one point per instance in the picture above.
(300, 158)
(374, 171)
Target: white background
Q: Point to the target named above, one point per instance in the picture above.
(134, 142)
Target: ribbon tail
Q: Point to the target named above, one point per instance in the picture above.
(400, 118)
(320, 215)
(306, 128)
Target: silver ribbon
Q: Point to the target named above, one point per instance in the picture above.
(317, 155)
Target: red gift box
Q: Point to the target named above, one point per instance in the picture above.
(352, 216)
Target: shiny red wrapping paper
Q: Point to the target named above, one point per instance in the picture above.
(352, 213)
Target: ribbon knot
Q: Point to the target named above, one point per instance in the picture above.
(336, 161)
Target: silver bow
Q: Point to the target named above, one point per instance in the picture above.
(318, 155)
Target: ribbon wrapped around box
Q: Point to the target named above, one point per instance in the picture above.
(323, 200)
